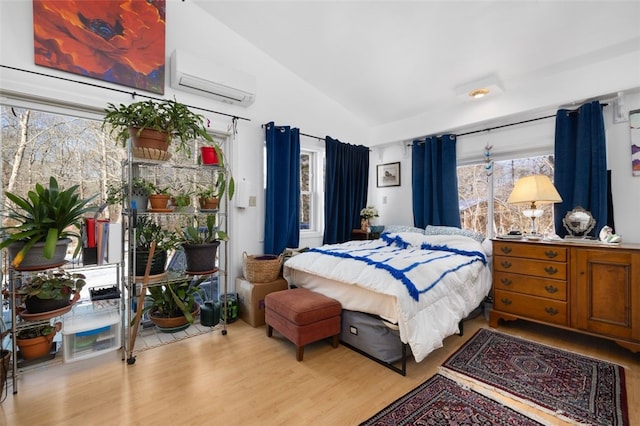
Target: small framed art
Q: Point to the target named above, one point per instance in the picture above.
(388, 174)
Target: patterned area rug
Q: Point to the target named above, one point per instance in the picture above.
(441, 401)
(583, 389)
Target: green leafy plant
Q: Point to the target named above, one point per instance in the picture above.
(37, 331)
(169, 116)
(45, 215)
(203, 234)
(175, 299)
(53, 284)
(148, 231)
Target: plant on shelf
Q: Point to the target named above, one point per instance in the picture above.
(147, 232)
(174, 120)
(51, 290)
(159, 197)
(200, 244)
(174, 304)
(47, 217)
(35, 342)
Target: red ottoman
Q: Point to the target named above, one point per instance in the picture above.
(302, 316)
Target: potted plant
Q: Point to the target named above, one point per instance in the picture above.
(35, 342)
(159, 198)
(51, 290)
(209, 196)
(173, 305)
(45, 220)
(200, 245)
(164, 121)
(147, 232)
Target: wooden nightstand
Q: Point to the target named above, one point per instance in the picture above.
(359, 234)
(589, 287)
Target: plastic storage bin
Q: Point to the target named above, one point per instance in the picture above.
(86, 336)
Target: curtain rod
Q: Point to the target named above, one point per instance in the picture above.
(510, 124)
(301, 134)
(132, 93)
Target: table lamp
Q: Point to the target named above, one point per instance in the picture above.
(532, 189)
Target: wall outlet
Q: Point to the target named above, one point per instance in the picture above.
(384, 200)
(252, 201)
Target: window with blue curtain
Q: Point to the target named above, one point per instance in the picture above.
(581, 164)
(346, 186)
(282, 197)
(434, 181)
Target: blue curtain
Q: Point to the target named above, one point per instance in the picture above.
(346, 186)
(282, 199)
(581, 164)
(434, 182)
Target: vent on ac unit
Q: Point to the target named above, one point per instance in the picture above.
(206, 78)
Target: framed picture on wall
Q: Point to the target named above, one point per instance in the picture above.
(388, 174)
(634, 124)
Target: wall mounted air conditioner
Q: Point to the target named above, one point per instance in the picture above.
(204, 77)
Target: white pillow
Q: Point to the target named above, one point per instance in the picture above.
(452, 230)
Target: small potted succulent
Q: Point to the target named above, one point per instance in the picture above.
(42, 225)
(51, 290)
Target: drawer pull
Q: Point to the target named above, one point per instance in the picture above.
(551, 270)
(551, 254)
(506, 281)
(505, 249)
(506, 301)
(551, 289)
(506, 264)
(551, 311)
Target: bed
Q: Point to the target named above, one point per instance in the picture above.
(423, 284)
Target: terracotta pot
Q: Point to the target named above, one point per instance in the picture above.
(37, 347)
(149, 138)
(209, 203)
(173, 322)
(209, 155)
(159, 201)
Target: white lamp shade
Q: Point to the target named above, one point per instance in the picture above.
(533, 189)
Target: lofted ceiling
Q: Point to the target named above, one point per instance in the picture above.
(388, 60)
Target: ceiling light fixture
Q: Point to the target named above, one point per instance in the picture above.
(481, 88)
(479, 93)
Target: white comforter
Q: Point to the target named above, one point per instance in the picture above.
(436, 280)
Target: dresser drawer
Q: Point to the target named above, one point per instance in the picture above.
(533, 286)
(538, 268)
(547, 310)
(530, 251)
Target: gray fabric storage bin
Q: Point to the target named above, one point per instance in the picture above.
(369, 334)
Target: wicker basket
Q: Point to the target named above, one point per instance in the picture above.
(261, 268)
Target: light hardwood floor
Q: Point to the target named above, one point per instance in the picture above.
(244, 378)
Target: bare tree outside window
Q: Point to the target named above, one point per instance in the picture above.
(473, 190)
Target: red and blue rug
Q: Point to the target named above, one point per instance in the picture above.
(571, 386)
(441, 401)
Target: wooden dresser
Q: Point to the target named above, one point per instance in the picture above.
(587, 287)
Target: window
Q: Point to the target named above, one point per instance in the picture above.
(311, 189)
(474, 192)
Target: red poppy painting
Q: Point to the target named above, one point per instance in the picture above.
(120, 41)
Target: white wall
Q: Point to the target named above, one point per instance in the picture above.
(532, 138)
(281, 97)
(285, 99)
